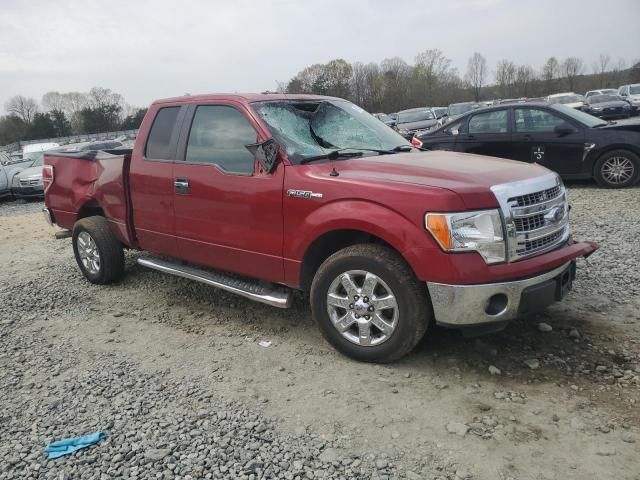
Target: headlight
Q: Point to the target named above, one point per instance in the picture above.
(596, 108)
(16, 181)
(403, 131)
(479, 231)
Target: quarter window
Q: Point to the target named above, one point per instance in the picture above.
(159, 142)
(535, 120)
(219, 136)
(489, 122)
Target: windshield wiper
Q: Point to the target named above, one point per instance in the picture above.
(340, 153)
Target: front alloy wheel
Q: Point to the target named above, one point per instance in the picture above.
(362, 308)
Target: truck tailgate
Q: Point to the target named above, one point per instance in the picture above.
(84, 180)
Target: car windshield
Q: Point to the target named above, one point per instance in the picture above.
(311, 128)
(415, 116)
(460, 109)
(566, 99)
(634, 90)
(37, 157)
(603, 98)
(584, 118)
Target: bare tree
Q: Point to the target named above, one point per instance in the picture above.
(53, 101)
(476, 73)
(571, 68)
(23, 107)
(618, 72)
(550, 72)
(505, 77)
(600, 68)
(524, 76)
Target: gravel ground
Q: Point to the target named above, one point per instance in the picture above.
(175, 374)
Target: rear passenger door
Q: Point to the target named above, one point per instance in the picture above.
(486, 133)
(151, 180)
(228, 210)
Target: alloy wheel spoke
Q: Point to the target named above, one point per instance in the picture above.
(364, 333)
(337, 301)
(382, 324)
(369, 285)
(349, 285)
(383, 303)
(344, 323)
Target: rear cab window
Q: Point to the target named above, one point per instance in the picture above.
(161, 144)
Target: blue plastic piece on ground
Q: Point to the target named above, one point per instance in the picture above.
(69, 445)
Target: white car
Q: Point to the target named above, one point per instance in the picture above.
(570, 99)
(604, 91)
(9, 169)
(28, 183)
(631, 93)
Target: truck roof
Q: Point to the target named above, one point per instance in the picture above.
(247, 97)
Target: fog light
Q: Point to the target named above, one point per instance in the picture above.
(496, 304)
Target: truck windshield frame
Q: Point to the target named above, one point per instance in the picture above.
(310, 128)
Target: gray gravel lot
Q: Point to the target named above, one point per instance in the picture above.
(174, 373)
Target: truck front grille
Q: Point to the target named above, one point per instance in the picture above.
(29, 182)
(536, 215)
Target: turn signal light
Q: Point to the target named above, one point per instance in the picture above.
(438, 225)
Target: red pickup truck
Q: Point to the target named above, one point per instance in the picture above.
(262, 194)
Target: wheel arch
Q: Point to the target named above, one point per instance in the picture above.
(609, 148)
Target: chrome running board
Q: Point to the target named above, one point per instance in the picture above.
(253, 290)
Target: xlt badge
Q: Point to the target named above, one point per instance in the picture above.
(292, 192)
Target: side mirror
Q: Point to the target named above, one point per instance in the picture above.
(266, 153)
(563, 130)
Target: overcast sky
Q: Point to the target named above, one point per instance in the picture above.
(153, 49)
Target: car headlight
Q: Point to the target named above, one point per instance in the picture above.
(596, 108)
(479, 231)
(16, 181)
(403, 131)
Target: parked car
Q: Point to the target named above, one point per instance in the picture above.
(312, 193)
(568, 141)
(570, 99)
(8, 170)
(607, 106)
(34, 151)
(456, 109)
(415, 121)
(386, 119)
(631, 93)
(604, 91)
(28, 183)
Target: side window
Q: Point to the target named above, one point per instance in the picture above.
(219, 136)
(159, 141)
(535, 120)
(489, 122)
(456, 128)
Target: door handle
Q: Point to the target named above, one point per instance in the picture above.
(181, 185)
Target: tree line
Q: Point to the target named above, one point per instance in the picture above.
(394, 84)
(63, 114)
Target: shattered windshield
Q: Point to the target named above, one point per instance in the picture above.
(310, 128)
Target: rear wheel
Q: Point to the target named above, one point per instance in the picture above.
(617, 169)
(98, 252)
(368, 303)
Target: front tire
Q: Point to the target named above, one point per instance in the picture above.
(369, 304)
(617, 169)
(98, 252)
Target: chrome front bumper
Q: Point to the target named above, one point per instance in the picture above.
(471, 305)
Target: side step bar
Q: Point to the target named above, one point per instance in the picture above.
(252, 290)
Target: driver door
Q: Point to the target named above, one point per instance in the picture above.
(535, 140)
(228, 210)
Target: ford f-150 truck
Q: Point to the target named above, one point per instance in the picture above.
(262, 194)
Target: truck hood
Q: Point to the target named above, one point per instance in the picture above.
(470, 176)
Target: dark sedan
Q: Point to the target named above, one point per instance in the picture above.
(573, 143)
(607, 106)
(416, 121)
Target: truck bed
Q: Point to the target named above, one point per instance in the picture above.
(84, 182)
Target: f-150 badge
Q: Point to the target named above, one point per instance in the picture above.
(302, 193)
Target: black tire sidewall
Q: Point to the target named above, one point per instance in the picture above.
(615, 153)
(409, 311)
(93, 278)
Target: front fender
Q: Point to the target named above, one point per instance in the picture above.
(405, 235)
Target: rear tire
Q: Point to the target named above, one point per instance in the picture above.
(98, 252)
(382, 312)
(617, 169)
